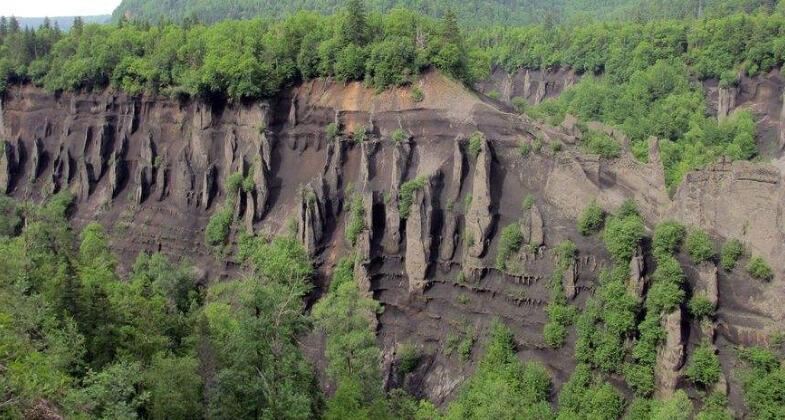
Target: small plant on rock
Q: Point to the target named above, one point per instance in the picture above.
(417, 94)
(699, 246)
(398, 135)
(760, 269)
(732, 250)
(591, 219)
(475, 144)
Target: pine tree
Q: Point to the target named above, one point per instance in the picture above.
(450, 30)
(78, 25)
(354, 26)
(13, 25)
(3, 27)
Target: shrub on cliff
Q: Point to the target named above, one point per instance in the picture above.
(760, 269)
(668, 236)
(704, 366)
(622, 235)
(601, 144)
(475, 144)
(406, 194)
(699, 246)
(510, 241)
(217, 230)
(732, 250)
(503, 386)
(591, 219)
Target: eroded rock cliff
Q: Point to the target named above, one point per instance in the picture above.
(153, 170)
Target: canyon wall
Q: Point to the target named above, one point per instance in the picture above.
(153, 170)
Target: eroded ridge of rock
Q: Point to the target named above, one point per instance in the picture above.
(144, 176)
(533, 227)
(726, 102)
(117, 168)
(392, 231)
(636, 283)
(670, 355)
(451, 216)
(36, 158)
(569, 280)
(310, 216)
(362, 251)
(418, 238)
(478, 218)
(7, 166)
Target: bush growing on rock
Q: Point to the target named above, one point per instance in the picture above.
(601, 144)
(701, 307)
(591, 219)
(699, 246)
(622, 235)
(760, 269)
(668, 236)
(356, 222)
(398, 135)
(584, 397)
(763, 383)
(360, 134)
(704, 366)
(510, 242)
(732, 250)
(217, 230)
(475, 144)
(332, 131)
(503, 386)
(417, 94)
(406, 194)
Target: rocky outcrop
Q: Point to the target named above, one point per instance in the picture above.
(451, 215)
(533, 227)
(117, 169)
(569, 279)
(708, 282)
(478, 217)
(670, 355)
(7, 165)
(726, 102)
(310, 217)
(392, 235)
(418, 239)
(36, 158)
(144, 175)
(362, 252)
(532, 85)
(636, 283)
(208, 186)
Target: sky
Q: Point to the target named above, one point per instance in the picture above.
(40, 8)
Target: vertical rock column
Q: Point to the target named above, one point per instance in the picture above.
(7, 165)
(478, 218)
(418, 239)
(392, 236)
(450, 233)
(670, 355)
(726, 102)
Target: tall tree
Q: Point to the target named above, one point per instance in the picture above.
(354, 28)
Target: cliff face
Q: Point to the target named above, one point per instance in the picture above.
(763, 94)
(153, 170)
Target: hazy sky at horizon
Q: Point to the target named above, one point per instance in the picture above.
(41, 8)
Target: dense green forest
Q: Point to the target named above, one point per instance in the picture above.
(475, 13)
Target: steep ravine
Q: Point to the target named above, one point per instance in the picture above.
(153, 171)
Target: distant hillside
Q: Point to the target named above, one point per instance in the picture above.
(507, 12)
(64, 22)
